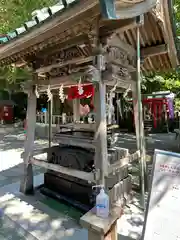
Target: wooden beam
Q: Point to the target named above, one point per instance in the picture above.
(75, 61)
(62, 46)
(154, 50)
(57, 86)
(55, 83)
(121, 83)
(68, 171)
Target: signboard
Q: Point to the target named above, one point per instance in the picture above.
(163, 208)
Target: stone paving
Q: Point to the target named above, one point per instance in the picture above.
(7, 230)
(11, 170)
(28, 218)
(11, 147)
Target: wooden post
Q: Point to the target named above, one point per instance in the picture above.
(101, 156)
(64, 118)
(50, 111)
(110, 105)
(76, 110)
(26, 186)
(45, 117)
(135, 108)
(117, 109)
(138, 116)
(101, 161)
(99, 228)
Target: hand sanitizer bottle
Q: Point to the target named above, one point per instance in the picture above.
(102, 204)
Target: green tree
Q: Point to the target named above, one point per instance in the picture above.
(163, 82)
(13, 13)
(177, 15)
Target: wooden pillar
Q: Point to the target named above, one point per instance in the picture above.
(101, 156)
(109, 109)
(117, 108)
(101, 161)
(26, 186)
(140, 139)
(135, 109)
(138, 116)
(76, 110)
(50, 113)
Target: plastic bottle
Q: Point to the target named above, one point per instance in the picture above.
(102, 204)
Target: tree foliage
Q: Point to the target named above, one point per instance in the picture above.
(13, 13)
(163, 82)
(11, 77)
(177, 15)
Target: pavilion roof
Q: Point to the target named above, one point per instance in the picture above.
(51, 26)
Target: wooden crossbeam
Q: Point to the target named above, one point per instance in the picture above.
(74, 61)
(145, 52)
(68, 171)
(154, 50)
(109, 79)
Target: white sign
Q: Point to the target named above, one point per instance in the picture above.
(163, 208)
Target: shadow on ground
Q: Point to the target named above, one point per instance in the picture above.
(31, 219)
(15, 174)
(164, 141)
(34, 220)
(29, 214)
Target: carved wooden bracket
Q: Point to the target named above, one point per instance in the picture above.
(120, 58)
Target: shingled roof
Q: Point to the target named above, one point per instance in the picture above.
(55, 26)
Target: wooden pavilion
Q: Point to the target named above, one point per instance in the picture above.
(79, 40)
